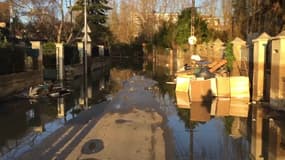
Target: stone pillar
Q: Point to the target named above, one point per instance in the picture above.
(237, 45)
(38, 45)
(259, 51)
(277, 80)
(218, 49)
(80, 50)
(60, 61)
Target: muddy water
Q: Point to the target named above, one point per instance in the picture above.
(219, 130)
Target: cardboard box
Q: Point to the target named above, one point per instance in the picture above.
(239, 86)
(182, 100)
(223, 107)
(183, 82)
(200, 112)
(200, 91)
(223, 86)
(239, 107)
(214, 86)
(213, 107)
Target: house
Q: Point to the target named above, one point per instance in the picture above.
(4, 14)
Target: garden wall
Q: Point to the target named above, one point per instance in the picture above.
(16, 82)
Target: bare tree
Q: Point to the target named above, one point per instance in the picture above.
(141, 17)
(42, 13)
(227, 14)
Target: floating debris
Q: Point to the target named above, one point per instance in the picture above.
(171, 82)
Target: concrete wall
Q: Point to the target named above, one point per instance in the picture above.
(16, 82)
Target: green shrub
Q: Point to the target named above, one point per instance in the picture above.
(49, 48)
(49, 55)
(229, 56)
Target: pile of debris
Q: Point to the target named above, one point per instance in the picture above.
(203, 81)
(44, 90)
(205, 69)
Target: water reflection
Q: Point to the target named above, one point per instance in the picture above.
(232, 129)
(182, 100)
(60, 107)
(217, 128)
(267, 134)
(23, 125)
(220, 129)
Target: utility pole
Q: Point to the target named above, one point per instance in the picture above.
(192, 17)
(192, 39)
(85, 56)
(11, 21)
(70, 10)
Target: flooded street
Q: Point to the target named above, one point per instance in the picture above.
(135, 113)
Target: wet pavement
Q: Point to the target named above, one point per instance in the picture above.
(134, 114)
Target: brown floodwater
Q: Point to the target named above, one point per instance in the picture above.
(222, 129)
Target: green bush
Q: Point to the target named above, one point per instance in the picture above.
(71, 55)
(49, 48)
(229, 56)
(49, 55)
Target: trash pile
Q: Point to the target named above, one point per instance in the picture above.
(203, 81)
(44, 90)
(205, 69)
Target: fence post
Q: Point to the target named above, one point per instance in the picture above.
(38, 45)
(259, 51)
(277, 80)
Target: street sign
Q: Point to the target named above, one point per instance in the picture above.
(88, 38)
(88, 29)
(192, 40)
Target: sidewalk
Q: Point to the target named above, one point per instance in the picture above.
(126, 128)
